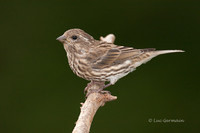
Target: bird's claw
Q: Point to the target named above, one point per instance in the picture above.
(87, 87)
(105, 92)
(97, 91)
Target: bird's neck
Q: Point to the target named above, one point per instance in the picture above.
(74, 55)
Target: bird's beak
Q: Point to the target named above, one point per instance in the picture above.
(61, 39)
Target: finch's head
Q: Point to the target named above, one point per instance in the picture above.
(75, 37)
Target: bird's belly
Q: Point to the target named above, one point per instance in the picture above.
(113, 78)
(114, 73)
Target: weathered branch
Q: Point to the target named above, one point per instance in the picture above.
(93, 101)
(89, 108)
(109, 38)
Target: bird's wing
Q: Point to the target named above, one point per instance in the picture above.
(115, 55)
(106, 59)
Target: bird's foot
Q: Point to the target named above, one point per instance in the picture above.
(105, 92)
(100, 90)
(105, 86)
(88, 86)
(97, 91)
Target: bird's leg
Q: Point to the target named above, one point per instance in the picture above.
(105, 86)
(88, 86)
(100, 90)
(91, 84)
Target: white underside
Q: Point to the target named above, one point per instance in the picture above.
(113, 79)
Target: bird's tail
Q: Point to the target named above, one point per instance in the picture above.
(158, 52)
(148, 55)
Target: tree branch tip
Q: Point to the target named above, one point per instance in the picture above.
(109, 97)
(109, 38)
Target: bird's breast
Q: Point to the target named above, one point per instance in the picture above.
(80, 66)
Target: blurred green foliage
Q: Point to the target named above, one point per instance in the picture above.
(39, 93)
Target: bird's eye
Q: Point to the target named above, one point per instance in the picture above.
(74, 37)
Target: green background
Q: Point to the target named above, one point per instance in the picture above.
(40, 94)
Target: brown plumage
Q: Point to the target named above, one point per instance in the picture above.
(99, 61)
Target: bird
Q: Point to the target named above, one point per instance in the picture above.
(99, 61)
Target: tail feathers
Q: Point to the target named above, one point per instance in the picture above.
(153, 54)
(165, 52)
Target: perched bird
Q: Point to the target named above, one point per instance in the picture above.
(100, 61)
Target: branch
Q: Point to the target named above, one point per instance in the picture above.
(109, 38)
(93, 101)
(89, 108)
